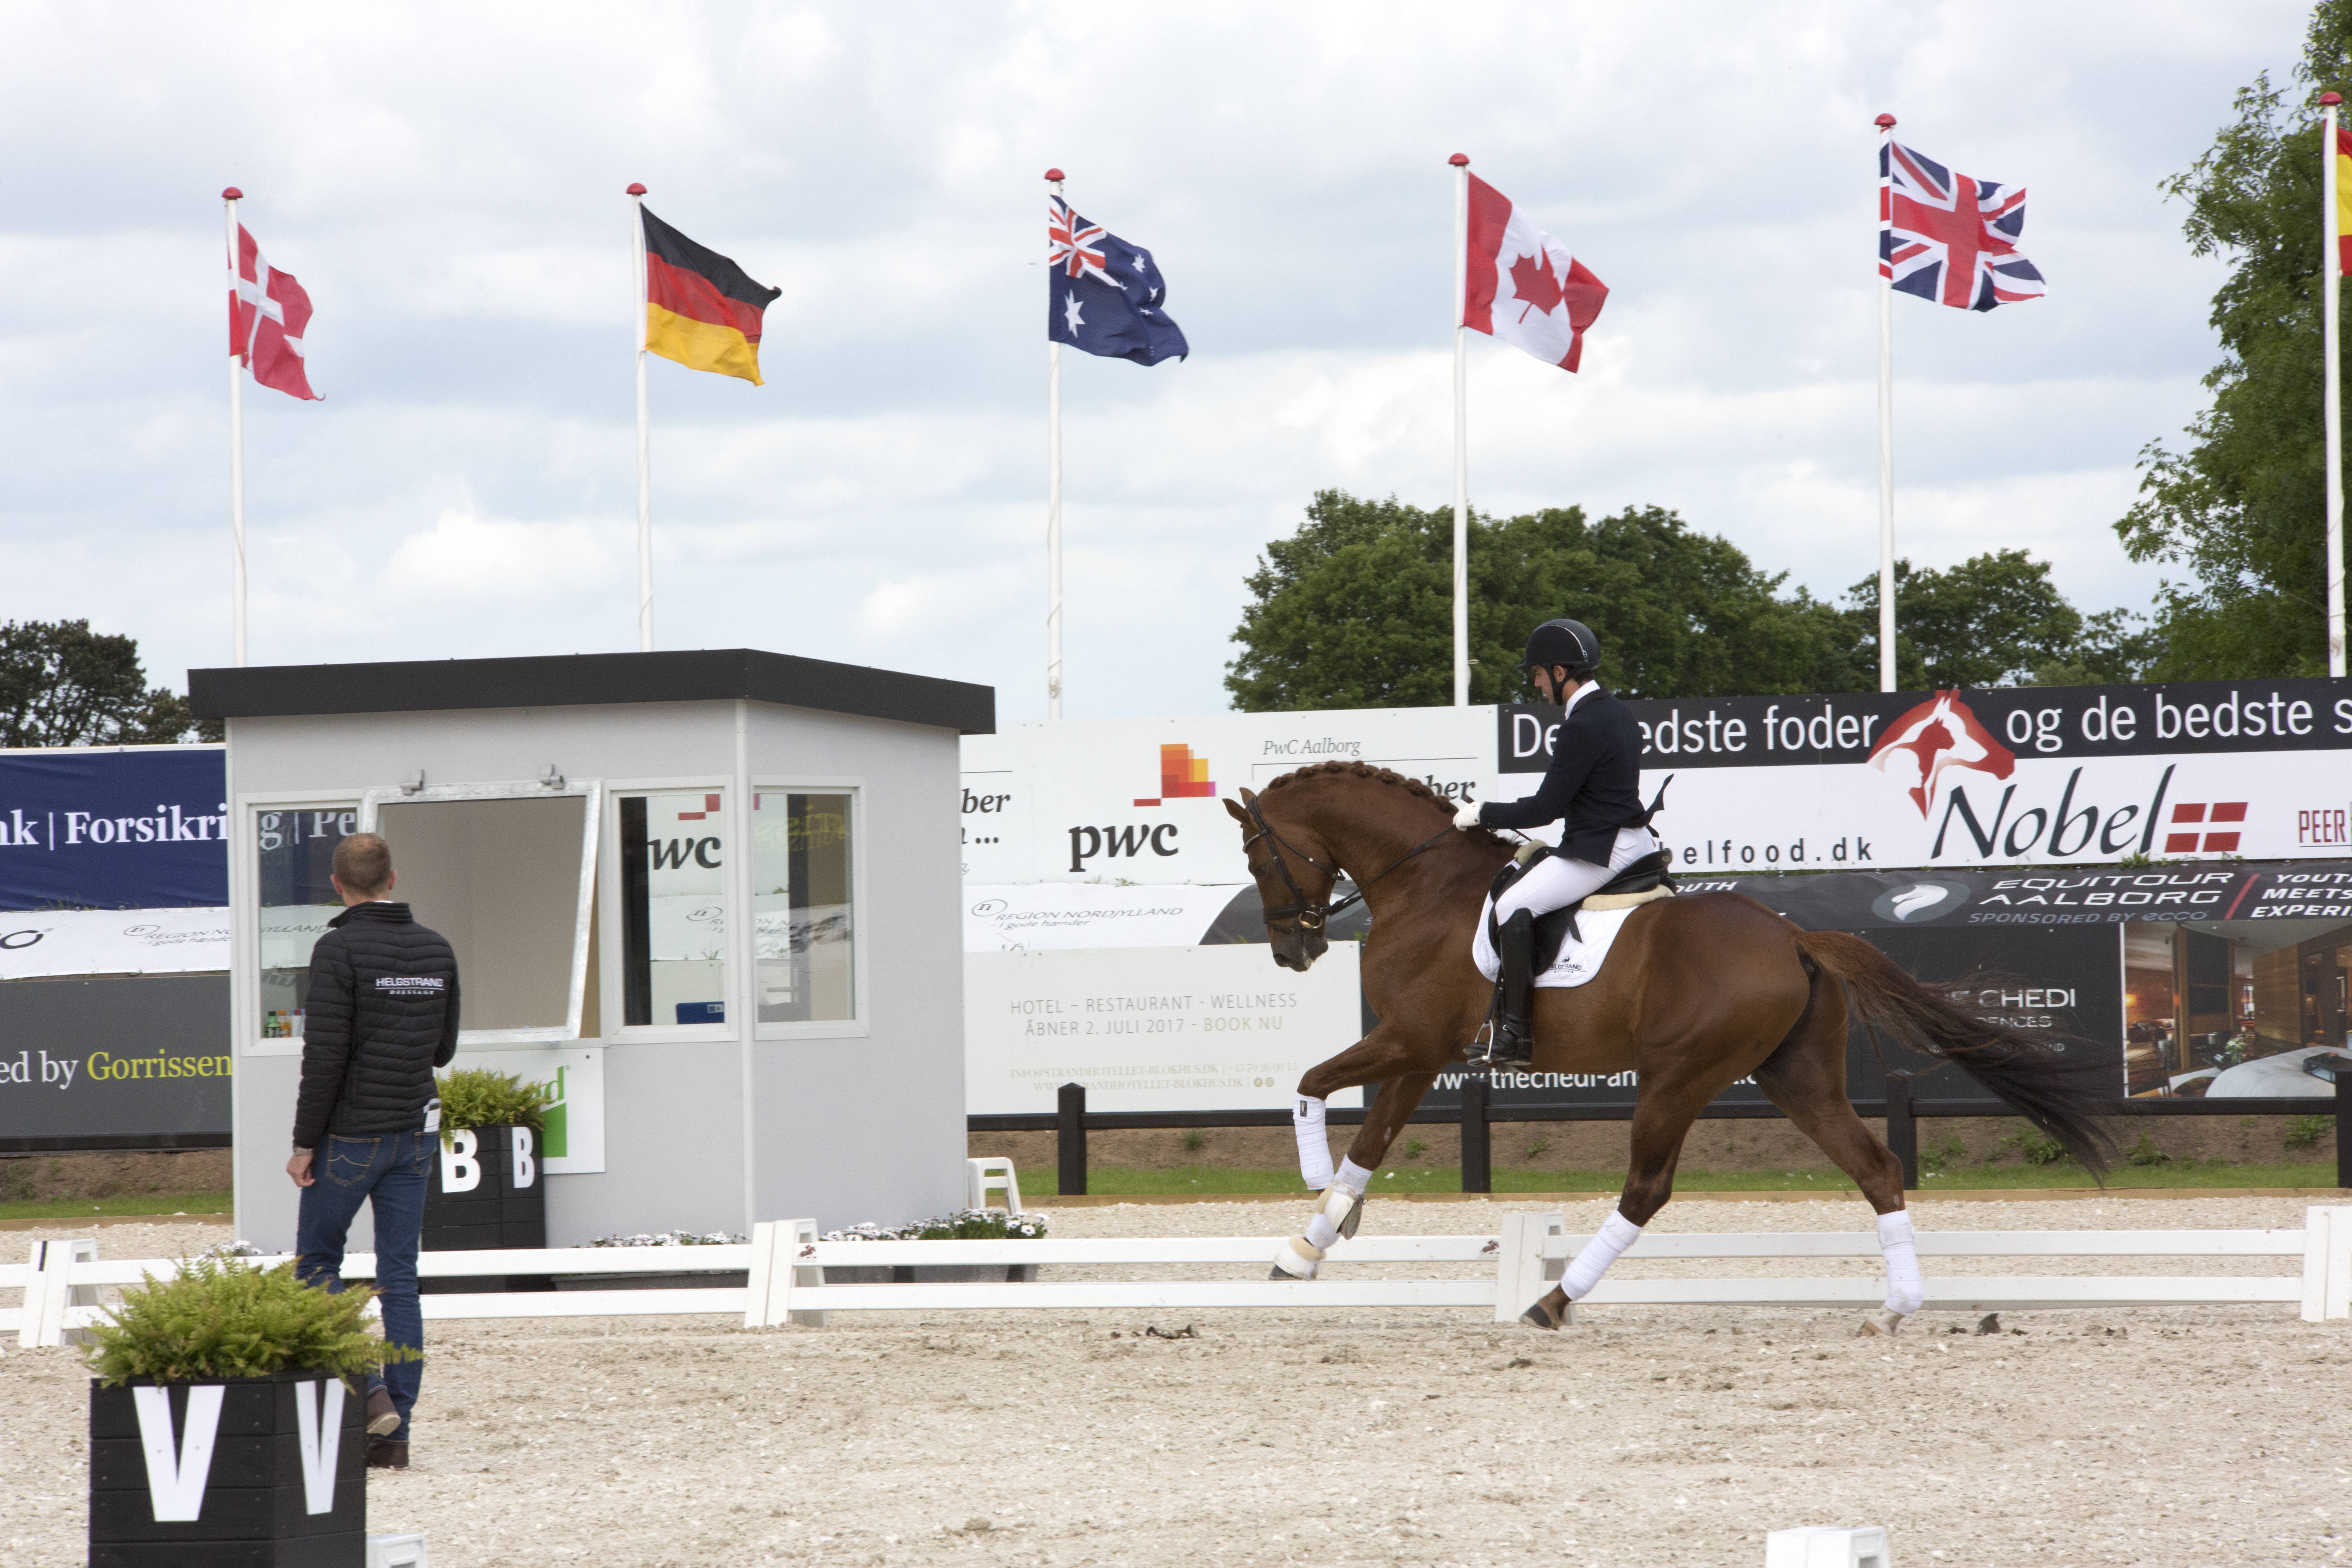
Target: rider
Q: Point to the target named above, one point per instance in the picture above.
(1592, 788)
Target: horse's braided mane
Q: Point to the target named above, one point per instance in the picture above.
(1352, 769)
(1412, 786)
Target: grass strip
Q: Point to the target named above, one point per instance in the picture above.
(1426, 1178)
(129, 1204)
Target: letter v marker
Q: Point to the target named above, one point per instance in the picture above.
(175, 1483)
(319, 1429)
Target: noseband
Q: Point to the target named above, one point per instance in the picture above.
(1312, 915)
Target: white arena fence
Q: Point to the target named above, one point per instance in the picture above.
(785, 1263)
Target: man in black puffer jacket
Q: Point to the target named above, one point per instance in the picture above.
(382, 1015)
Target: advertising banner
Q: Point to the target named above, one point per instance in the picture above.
(2015, 776)
(114, 1058)
(2190, 980)
(127, 827)
(2025, 776)
(572, 1141)
(1152, 1028)
(112, 941)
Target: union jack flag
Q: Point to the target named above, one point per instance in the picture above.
(1946, 237)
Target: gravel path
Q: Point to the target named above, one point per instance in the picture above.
(2156, 1437)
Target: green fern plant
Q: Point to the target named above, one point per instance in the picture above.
(478, 1097)
(221, 1318)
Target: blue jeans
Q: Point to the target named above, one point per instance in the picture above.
(389, 1172)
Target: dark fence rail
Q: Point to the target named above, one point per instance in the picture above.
(1902, 1109)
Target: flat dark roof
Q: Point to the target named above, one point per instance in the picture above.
(586, 679)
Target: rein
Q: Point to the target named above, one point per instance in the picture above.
(1312, 915)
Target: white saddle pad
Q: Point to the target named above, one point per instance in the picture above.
(1579, 960)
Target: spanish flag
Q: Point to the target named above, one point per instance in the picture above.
(2343, 224)
(702, 309)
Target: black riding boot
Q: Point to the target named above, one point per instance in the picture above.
(1514, 1024)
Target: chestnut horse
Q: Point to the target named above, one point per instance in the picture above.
(1698, 992)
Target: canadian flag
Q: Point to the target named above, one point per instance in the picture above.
(267, 315)
(1523, 285)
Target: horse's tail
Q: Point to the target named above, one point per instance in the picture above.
(2060, 1097)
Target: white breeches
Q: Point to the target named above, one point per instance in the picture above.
(1556, 881)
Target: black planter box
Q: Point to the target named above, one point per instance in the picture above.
(930, 1273)
(504, 1204)
(253, 1503)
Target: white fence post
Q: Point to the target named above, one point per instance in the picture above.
(2326, 1263)
(776, 1269)
(762, 1270)
(806, 1274)
(980, 1176)
(49, 1290)
(1520, 1270)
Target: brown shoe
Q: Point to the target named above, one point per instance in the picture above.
(384, 1455)
(383, 1416)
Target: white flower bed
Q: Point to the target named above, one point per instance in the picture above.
(964, 1225)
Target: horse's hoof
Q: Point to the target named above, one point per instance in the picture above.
(1355, 1217)
(1536, 1317)
(1881, 1323)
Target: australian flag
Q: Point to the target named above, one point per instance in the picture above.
(1107, 295)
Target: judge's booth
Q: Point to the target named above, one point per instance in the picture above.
(711, 899)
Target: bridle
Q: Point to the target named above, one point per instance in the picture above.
(1312, 915)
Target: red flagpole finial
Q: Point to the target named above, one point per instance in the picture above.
(1460, 160)
(1056, 175)
(1885, 122)
(232, 194)
(636, 190)
(2330, 99)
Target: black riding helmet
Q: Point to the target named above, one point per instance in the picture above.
(1562, 642)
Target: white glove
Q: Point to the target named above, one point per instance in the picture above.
(1465, 815)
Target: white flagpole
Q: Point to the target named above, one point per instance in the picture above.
(1461, 161)
(2331, 279)
(1886, 435)
(229, 198)
(1053, 511)
(644, 432)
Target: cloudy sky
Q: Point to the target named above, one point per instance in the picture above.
(447, 181)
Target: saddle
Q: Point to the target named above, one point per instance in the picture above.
(1650, 877)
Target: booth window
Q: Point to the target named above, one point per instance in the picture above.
(802, 899)
(297, 854)
(674, 908)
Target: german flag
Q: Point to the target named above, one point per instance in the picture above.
(702, 309)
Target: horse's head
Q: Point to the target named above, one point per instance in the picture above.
(1294, 874)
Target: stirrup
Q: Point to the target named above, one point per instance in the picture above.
(1489, 1049)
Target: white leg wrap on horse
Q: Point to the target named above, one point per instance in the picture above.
(1314, 1148)
(1338, 1199)
(1616, 1234)
(1906, 1290)
(1354, 1177)
(1298, 1258)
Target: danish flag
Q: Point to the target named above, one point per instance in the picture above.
(1946, 237)
(267, 315)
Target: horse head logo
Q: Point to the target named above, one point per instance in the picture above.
(1939, 734)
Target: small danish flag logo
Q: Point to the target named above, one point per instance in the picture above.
(2212, 813)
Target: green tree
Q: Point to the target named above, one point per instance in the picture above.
(2242, 509)
(1994, 620)
(62, 684)
(1354, 610)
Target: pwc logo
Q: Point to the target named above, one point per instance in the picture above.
(1939, 734)
(1183, 776)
